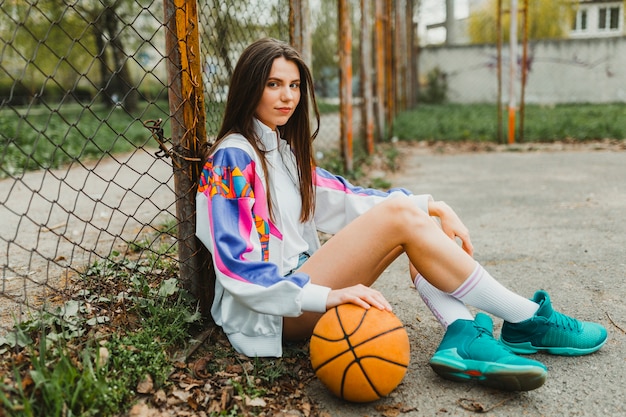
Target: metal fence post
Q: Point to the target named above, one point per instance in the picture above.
(300, 28)
(400, 56)
(379, 41)
(499, 69)
(188, 128)
(390, 67)
(367, 106)
(345, 83)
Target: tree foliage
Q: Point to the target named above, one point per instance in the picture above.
(87, 45)
(114, 26)
(547, 19)
(41, 50)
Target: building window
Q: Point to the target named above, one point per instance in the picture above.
(580, 21)
(608, 18)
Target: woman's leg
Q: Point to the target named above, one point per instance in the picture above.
(444, 307)
(479, 289)
(361, 251)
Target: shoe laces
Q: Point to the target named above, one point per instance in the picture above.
(564, 322)
(487, 334)
(482, 331)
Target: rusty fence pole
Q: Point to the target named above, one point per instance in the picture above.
(513, 13)
(390, 67)
(187, 121)
(499, 70)
(345, 84)
(400, 56)
(300, 29)
(379, 42)
(411, 54)
(524, 69)
(367, 105)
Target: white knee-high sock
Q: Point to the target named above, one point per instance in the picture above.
(444, 307)
(481, 290)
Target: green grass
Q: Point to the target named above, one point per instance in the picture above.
(125, 332)
(48, 137)
(96, 374)
(478, 122)
(51, 369)
(44, 137)
(87, 356)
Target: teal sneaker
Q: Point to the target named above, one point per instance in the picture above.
(468, 352)
(553, 332)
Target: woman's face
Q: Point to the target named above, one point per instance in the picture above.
(281, 94)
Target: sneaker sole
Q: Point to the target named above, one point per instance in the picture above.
(527, 348)
(490, 374)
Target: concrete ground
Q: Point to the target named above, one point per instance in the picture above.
(550, 220)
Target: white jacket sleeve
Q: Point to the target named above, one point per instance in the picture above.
(338, 202)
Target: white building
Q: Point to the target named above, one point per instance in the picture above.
(593, 19)
(598, 18)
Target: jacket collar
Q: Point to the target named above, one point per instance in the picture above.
(268, 137)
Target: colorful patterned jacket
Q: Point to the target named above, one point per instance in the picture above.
(252, 293)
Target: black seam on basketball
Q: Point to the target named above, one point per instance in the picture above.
(343, 330)
(350, 346)
(345, 337)
(402, 365)
(365, 374)
(328, 339)
(386, 332)
(356, 328)
(333, 357)
(357, 360)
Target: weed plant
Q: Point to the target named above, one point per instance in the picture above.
(87, 356)
(117, 340)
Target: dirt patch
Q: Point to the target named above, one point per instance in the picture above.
(56, 222)
(446, 148)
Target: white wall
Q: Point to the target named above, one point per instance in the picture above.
(563, 71)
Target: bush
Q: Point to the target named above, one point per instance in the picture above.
(14, 93)
(436, 89)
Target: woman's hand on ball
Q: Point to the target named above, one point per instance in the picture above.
(360, 295)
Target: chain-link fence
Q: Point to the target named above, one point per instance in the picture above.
(86, 88)
(79, 177)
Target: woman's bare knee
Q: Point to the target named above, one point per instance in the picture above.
(405, 214)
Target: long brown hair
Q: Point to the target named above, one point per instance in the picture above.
(246, 88)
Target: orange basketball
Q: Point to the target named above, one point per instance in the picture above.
(360, 355)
